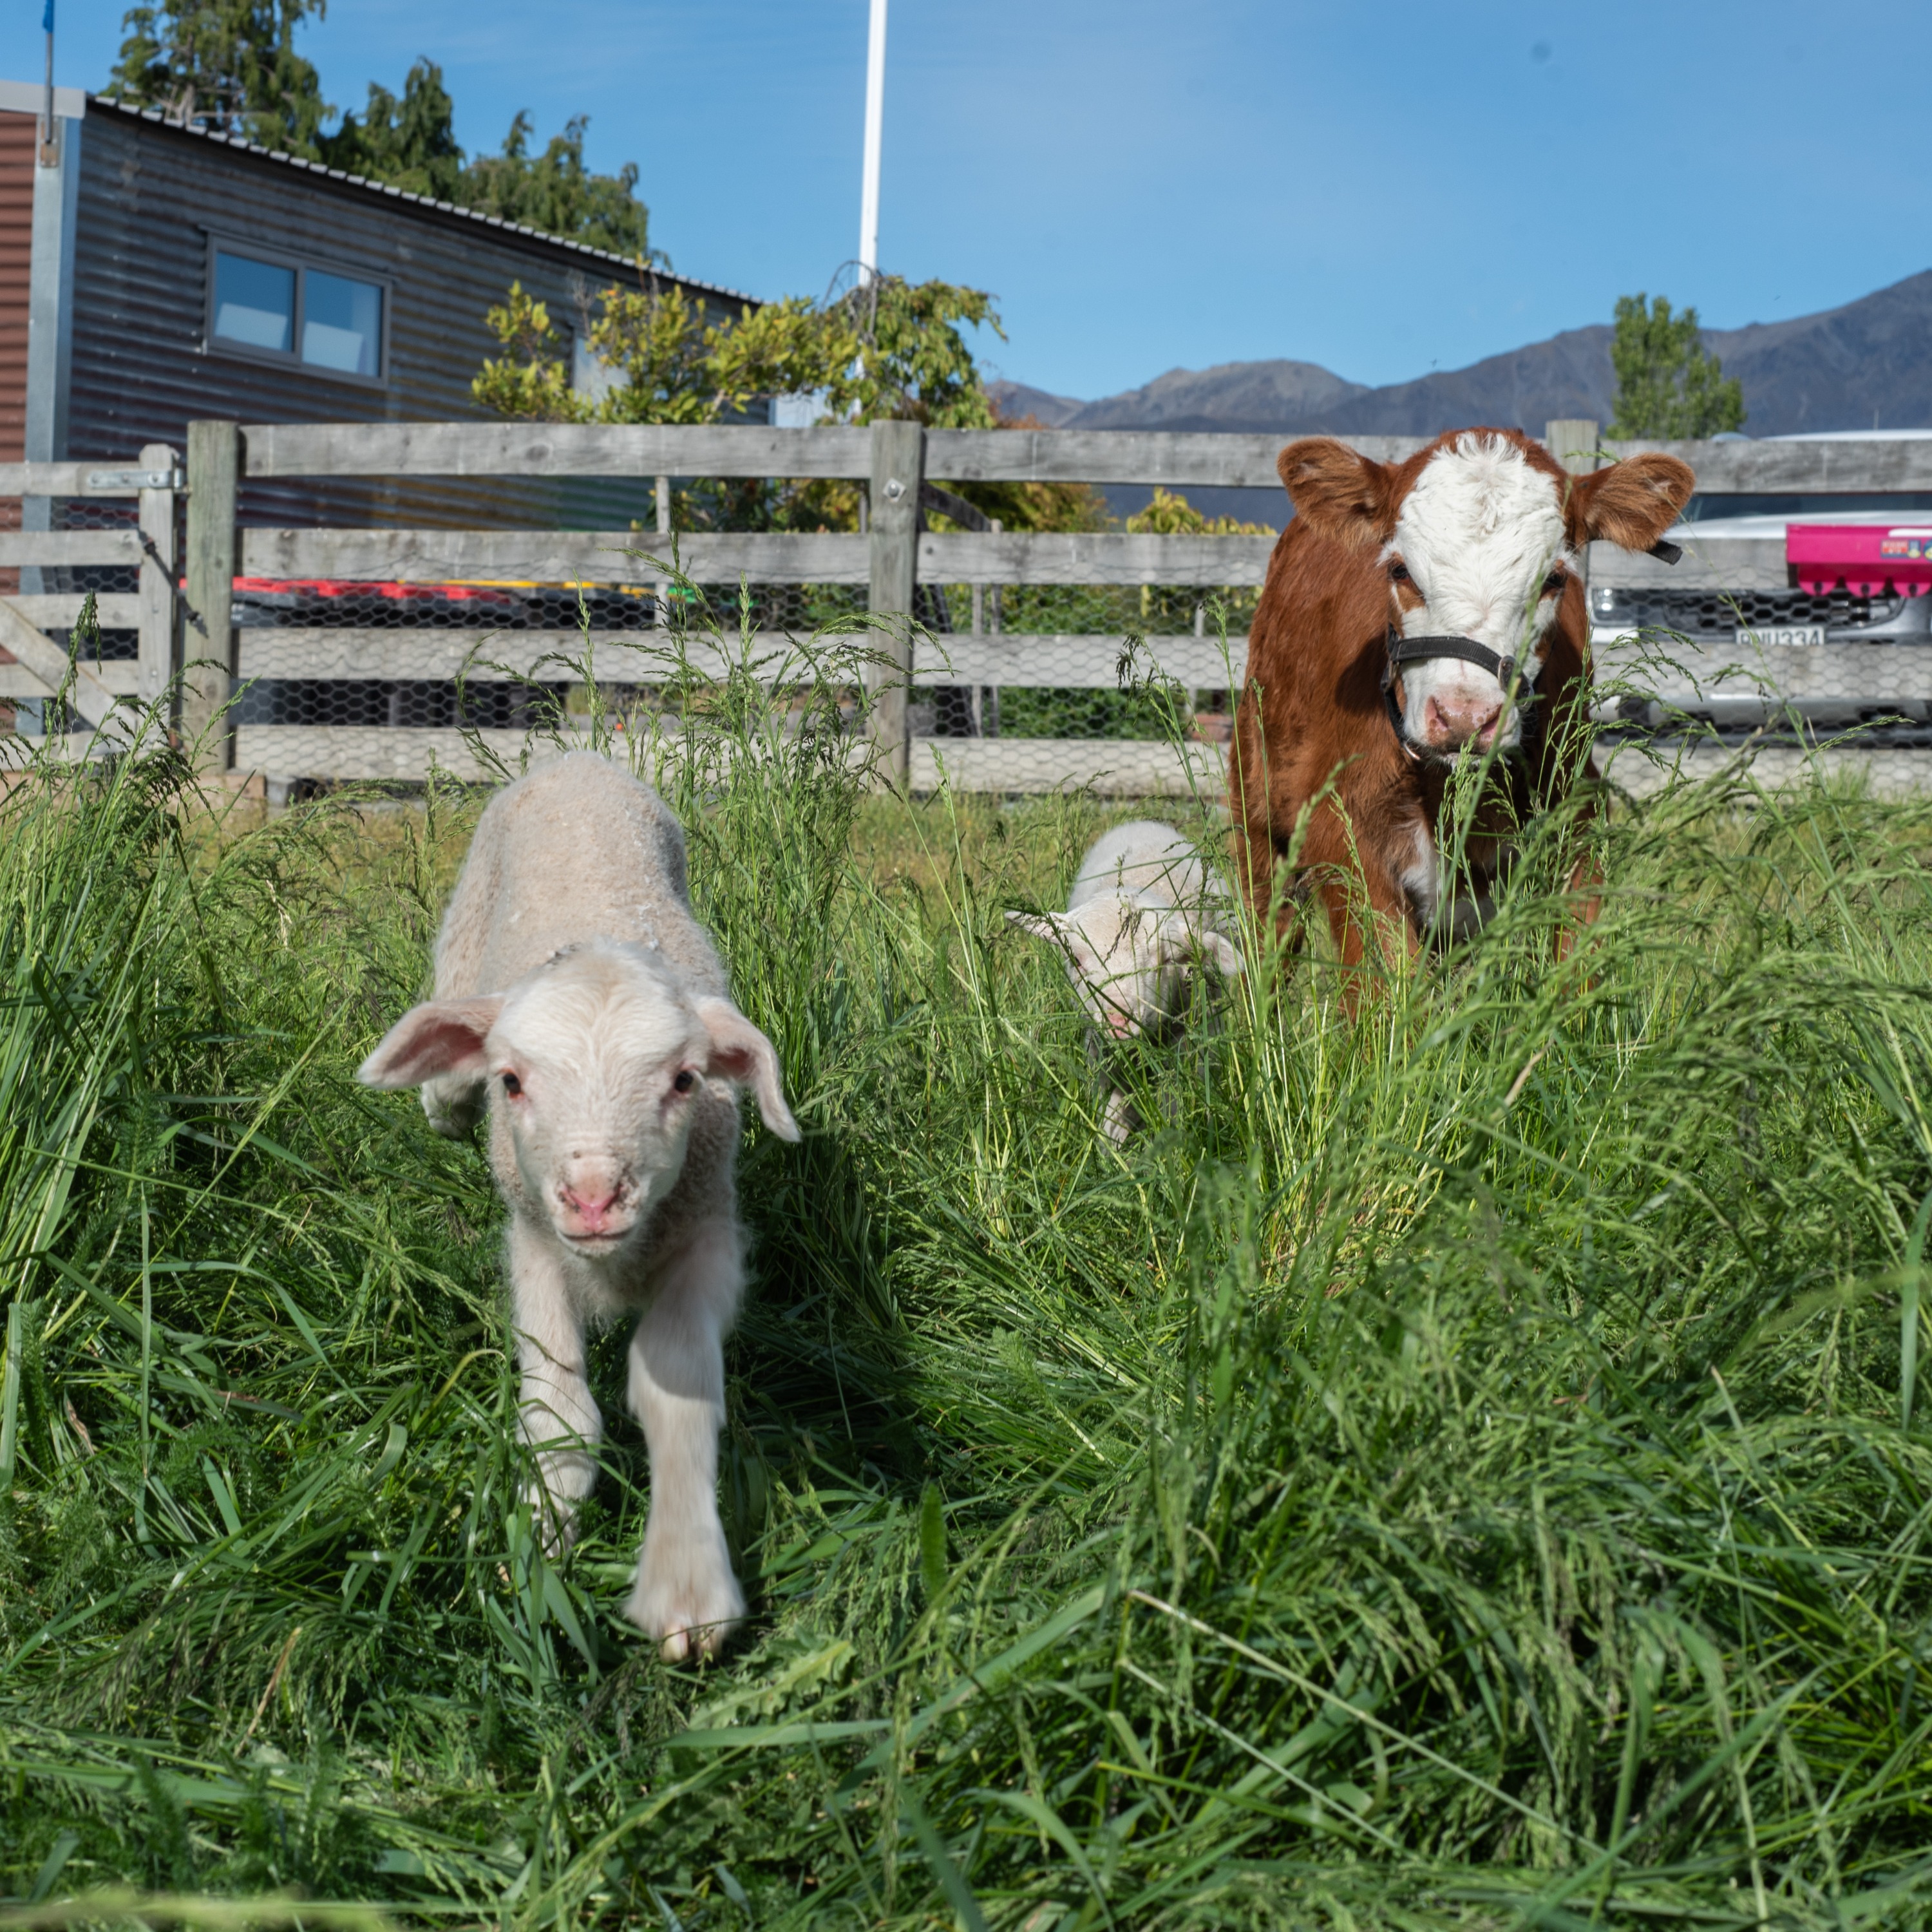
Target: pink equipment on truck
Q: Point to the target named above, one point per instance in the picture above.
(1868, 560)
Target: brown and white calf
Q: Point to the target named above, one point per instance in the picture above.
(1415, 614)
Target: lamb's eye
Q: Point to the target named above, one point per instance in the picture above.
(512, 1086)
(1398, 572)
(685, 1081)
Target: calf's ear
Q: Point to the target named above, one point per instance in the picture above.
(441, 1036)
(1632, 503)
(1342, 495)
(741, 1053)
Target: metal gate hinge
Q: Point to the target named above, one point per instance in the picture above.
(136, 479)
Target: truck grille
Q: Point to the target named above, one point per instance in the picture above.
(1717, 613)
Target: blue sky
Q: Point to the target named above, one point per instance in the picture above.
(1383, 189)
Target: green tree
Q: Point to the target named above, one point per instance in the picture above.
(890, 349)
(1668, 384)
(554, 191)
(229, 65)
(1170, 515)
(410, 142)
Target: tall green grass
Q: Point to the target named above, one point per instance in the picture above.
(1463, 1467)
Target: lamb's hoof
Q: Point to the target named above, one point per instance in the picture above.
(1118, 1122)
(691, 1609)
(553, 1523)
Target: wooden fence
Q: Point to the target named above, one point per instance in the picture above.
(181, 609)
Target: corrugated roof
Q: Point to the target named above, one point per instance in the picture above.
(389, 192)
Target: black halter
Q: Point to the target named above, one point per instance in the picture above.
(1529, 703)
(1402, 650)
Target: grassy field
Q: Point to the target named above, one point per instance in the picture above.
(1464, 1469)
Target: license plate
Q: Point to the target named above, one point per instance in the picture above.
(1783, 635)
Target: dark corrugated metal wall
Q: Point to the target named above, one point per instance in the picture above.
(19, 135)
(150, 194)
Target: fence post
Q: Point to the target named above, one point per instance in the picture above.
(1572, 441)
(160, 577)
(990, 723)
(898, 470)
(208, 638)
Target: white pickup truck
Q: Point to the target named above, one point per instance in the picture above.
(1817, 608)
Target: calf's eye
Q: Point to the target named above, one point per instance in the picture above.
(512, 1086)
(1398, 572)
(685, 1082)
(1554, 582)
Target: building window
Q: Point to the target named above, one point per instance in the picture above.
(265, 305)
(254, 303)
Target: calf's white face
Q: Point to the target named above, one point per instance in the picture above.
(596, 1061)
(1477, 537)
(1127, 960)
(1478, 551)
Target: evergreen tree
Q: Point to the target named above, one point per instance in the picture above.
(229, 65)
(410, 142)
(1668, 384)
(555, 192)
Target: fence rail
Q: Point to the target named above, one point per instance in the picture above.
(182, 612)
(1201, 459)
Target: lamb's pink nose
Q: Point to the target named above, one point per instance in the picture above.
(1121, 1025)
(1457, 720)
(593, 1210)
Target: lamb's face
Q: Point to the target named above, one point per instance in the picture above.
(1129, 961)
(596, 1064)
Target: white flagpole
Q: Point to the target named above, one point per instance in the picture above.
(875, 110)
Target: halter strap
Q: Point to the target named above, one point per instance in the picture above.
(1417, 650)
(1400, 650)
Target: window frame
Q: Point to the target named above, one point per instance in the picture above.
(221, 242)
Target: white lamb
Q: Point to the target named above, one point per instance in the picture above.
(580, 1002)
(1141, 913)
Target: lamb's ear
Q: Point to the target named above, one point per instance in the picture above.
(440, 1037)
(1221, 953)
(1041, 925)
(741, 1053)
(1183, 938)
(1064, 933)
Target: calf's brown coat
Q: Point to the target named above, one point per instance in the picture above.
(1318, 773)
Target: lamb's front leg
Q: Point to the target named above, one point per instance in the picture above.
(556, 1414)
(686, 1595)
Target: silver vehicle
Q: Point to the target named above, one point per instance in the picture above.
(1799, 607)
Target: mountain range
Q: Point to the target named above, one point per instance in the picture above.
(1866, 365)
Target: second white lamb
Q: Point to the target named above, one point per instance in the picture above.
(1142, 915)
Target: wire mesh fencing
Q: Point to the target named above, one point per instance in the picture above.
(117, 643)
(50, 589)
(1039, 668)
(364, 635)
